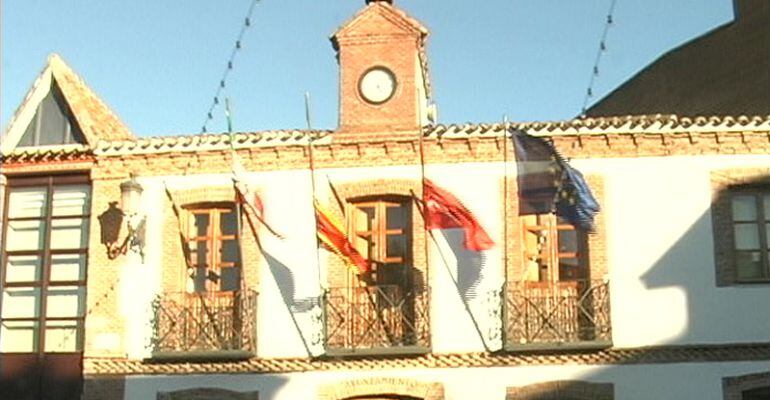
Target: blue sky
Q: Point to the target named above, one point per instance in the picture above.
(157, 63)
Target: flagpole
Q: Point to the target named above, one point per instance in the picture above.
(238, 207)
(441, 253)
(311, 165)
(506, 188)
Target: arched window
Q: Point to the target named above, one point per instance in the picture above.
(747, 387)
(213, 253)
(388, 309)
(381, 229)
(562, 390)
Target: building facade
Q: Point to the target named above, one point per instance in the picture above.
(130, 271)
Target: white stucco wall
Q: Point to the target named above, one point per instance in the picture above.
(702, 381)
(660, 254)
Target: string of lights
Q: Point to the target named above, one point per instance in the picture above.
(228, 67)
(608, 22)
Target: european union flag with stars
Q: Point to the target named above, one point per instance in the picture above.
(547, 183)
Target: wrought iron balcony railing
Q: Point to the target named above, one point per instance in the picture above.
(206, 325)
(569, 314)
(383, 319)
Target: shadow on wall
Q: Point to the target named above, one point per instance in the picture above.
(284, 278)
(713, 310)
(202, 387)
(715, 313)
(711, 315)
(469, 267)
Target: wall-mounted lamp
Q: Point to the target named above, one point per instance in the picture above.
(112, 220)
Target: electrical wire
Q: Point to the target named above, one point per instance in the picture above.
(228, 67)
(608, 22)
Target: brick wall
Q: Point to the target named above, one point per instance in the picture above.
(105, 327)
(734, 387)
(104, 387)
(555, 390)
(379, 37)
(387, 386)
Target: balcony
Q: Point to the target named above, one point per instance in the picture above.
(557, 315)
(205, 326)
(382, 319)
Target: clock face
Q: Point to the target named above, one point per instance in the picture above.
(377, 85)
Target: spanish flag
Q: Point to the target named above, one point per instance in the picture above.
(333, 237)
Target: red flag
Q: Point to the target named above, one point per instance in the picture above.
(333, 238)
(444, 210)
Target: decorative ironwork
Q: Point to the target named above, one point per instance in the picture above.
(380, 318)
(568, 313)
(207, 322)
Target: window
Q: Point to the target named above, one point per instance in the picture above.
(555, 301)
(44, 265)
(213, 248)
(386, 311)
(52, 123)
(754, 386)
(381, 232)
(554, 250)
(751, 233)
(214, 314)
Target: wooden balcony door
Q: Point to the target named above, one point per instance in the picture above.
(554, 250)
(380, 229)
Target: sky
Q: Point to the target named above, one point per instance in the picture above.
(157, 64)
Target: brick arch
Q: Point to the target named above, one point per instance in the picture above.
(174, 271)
(209, 194)
(362, 388)
(402, 187)
(207, 394)
(558, 390)
(734, 386)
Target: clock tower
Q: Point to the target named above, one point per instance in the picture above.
(384, 86)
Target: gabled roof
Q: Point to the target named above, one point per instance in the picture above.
(385, 10)
(723, 72)
(95, 119)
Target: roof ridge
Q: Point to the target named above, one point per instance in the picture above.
(412, 22)
(653, 123)
(92, 126)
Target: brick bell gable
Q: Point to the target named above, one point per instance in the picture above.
(381, 35)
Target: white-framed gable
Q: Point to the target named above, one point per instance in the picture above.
(27, 111)
(69, 114)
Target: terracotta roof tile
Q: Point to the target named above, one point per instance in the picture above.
(48, 153)
(635, 126)
(95, 118)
